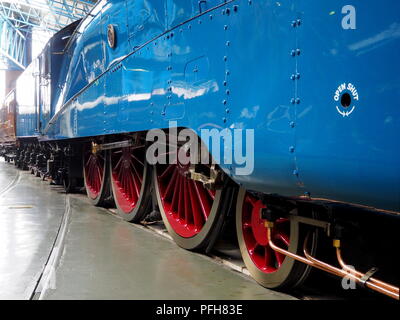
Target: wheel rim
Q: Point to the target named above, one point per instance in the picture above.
(255, 236)
(127, 177)
(187, 203)
(94, 174)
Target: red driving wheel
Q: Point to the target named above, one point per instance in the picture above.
(268, 267)
(189, 210)
(129, 182)
(96, 177)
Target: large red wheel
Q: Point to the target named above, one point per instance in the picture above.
(129, 181)
(96, 177)
(189, 210)
(268, 267)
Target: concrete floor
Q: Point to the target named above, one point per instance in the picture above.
(92, 254)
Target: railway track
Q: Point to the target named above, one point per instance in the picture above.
(11, 185)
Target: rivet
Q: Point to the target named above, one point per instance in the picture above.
(163, 113)
(294, 24)
(228, 43)
(172, 34)
(228, 92)
(298, 22)
(297, 101)
(293, 53)
(225, 58)
(291, 149)
(292, 124)
(224, 102)
(180, 30)
(295, 172)
(227, 110)
(292, 101)
(228, 11)
(298, 52)
(297, 76)
(224, 120)
(235, 8)
(223, 11)
(199, 21)
(292, 77)
(227, 72)
(250, 2)
(211, 16)
(225, 83)
(225, 27)
(189, 26)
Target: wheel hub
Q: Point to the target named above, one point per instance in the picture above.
(258, 226)
(256, 240)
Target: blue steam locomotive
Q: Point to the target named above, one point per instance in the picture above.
(315, 82)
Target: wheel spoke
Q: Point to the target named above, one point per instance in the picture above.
(279, 258)
(268, 260)
(185, 203)
(135, 184)
(203, 201)
(134, 157)
(255, 236)
(181, 205)
(197, 215)
(127, 178)
(176, 194)
(168, 191)
(118, 163)
(283, 237)
(137, 173)
(167, 171)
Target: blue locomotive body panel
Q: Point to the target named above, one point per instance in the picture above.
(317, 82)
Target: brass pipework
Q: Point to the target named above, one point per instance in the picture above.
(356, 276)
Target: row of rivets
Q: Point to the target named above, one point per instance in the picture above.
(225, 59)
(295, 76)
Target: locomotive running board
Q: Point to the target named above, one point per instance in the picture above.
(113, 145)
(364, 279)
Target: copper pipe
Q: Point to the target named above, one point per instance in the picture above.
(360, 274)
(343, 273)
(309, 260)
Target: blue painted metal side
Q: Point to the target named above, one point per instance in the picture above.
(355, 157)
(265, 65)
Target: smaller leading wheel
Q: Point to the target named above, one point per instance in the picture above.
(95, 173)
(130, 182)
(268, 267)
